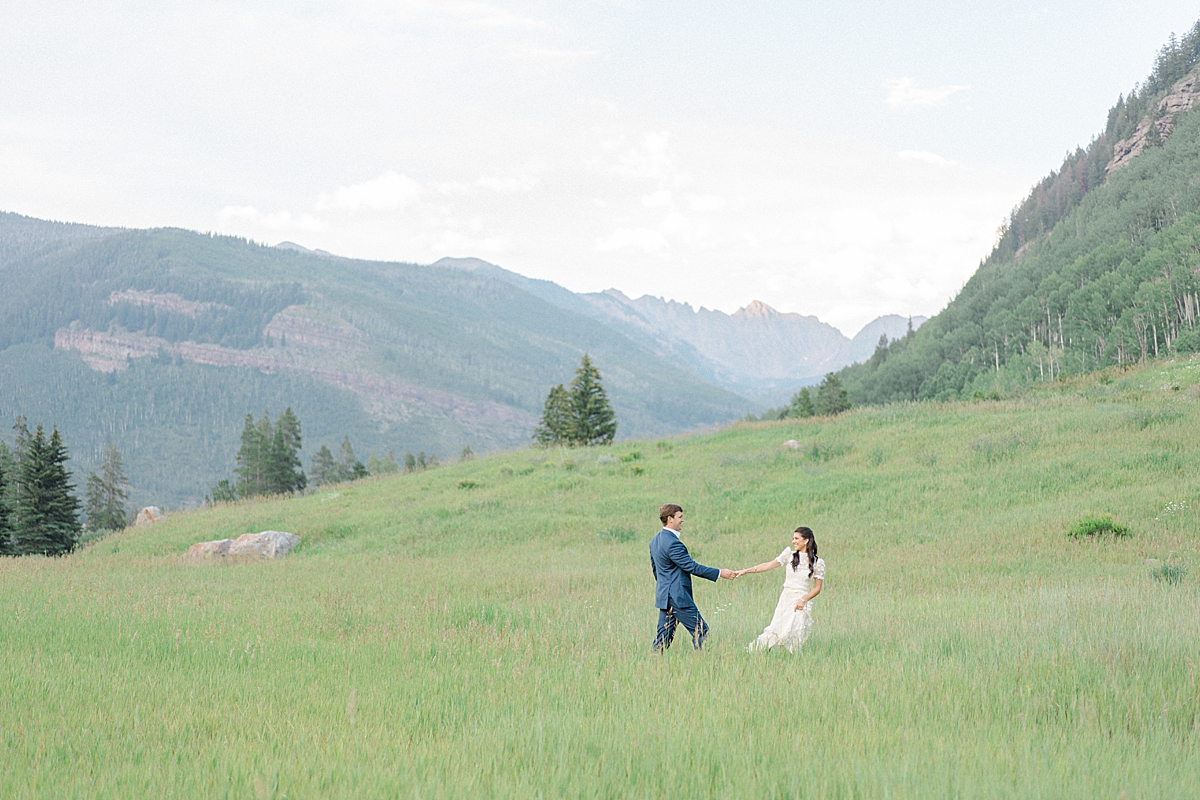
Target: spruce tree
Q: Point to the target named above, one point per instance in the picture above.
(8, 465)
(107, 493)
(595, 422)
(802, 404)
(7, 545)
(324, 468)
(349, 467)
(47, 513)
(283, 473)
(410, 462)
(831, 396)
(252, 456)
(558, 419)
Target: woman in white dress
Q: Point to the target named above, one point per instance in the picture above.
(804, 574)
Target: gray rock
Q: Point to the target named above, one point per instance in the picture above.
(791, 444)
(202, 551)
(268, 544)
(149, 515)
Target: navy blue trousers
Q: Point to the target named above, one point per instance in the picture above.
(669, 618)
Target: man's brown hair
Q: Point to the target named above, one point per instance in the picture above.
(668, 511)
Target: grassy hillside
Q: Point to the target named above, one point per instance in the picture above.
(484, 629)
(395, 355)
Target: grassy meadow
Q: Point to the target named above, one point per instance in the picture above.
(484, 629)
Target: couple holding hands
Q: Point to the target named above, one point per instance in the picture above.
(673, 569)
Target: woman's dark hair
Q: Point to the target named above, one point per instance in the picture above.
(807, 534)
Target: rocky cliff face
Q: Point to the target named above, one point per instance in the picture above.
(1181, 98)
(326, 350)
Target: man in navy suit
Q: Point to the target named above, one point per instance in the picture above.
(673, 569)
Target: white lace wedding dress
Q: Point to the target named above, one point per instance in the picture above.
(789, 628)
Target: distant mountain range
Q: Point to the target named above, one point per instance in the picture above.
(163, 340)
(757, 351)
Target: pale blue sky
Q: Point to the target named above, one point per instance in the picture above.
(844, 160)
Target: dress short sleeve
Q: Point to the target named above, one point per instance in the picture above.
(819, 569)
(785, 557)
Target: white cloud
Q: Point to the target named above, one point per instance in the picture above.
(389, 192)
(660, 199)
(506, 185)
(925, 157)
(644, 239)
(705, 202)
(905, 95)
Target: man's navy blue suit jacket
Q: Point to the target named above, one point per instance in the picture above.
(673, 570)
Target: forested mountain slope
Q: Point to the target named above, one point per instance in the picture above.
(165, 339)
(1099, 266)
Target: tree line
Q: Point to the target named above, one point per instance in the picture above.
(268, 461)
(829, 399)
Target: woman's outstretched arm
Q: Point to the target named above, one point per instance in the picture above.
(763, 567)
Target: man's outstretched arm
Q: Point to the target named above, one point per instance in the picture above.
(679, 554)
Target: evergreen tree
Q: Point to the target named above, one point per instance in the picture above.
(8, 465)
(831, 396)
(881, 350)
(324, 468)
(107, 493)
(223, 492)
(421, 459)
(47, 512)
(595, 422)
(349, 468)
(802, 404)
(251, 457)
(467, 455)
(7, 545)
(558, 423)
(410, 462)
(283, 471)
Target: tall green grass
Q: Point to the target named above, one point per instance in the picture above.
(428, 640)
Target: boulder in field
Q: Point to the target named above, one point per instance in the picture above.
(791, 444)
(268, 544)
(148, 516)
(206, 550)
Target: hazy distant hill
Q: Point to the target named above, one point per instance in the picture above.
(1099, 266)
(756, 351)
(165, 339)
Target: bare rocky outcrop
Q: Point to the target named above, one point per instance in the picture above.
(148, 516)
(1181, 98)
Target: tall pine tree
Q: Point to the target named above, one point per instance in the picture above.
(7, 545)
(47, 513)
(283, 472)
(107, 493)
(595, 422)
(324, 468)
(581, 415)
(558, 419)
